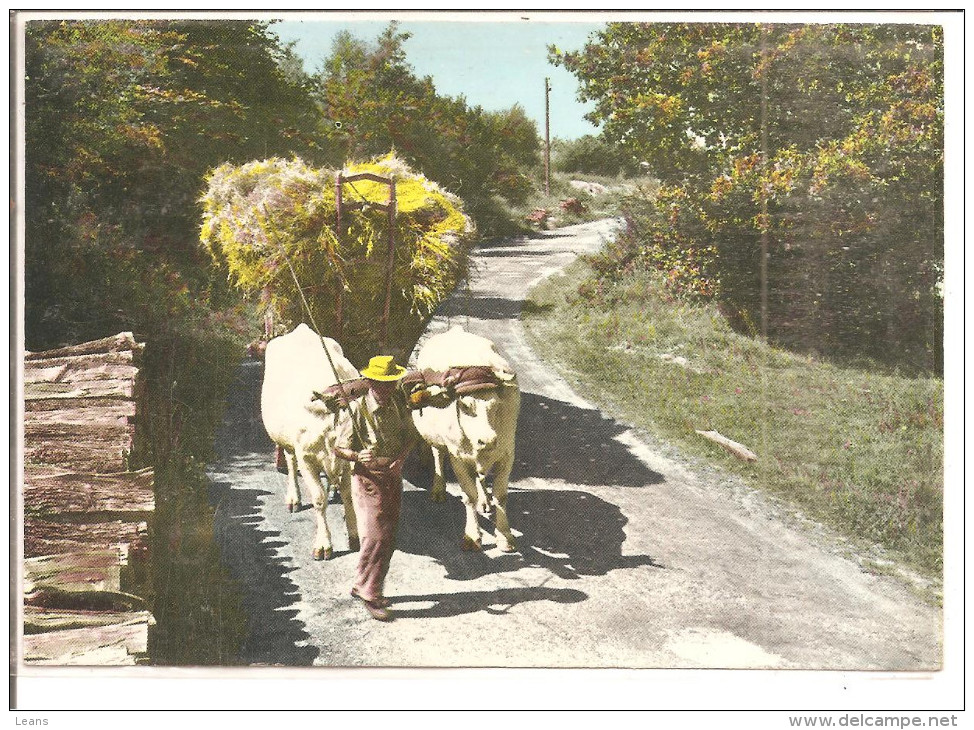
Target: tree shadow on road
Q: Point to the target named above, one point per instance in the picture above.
(508, 252)
(480, 307)
(556, 440)
(269, 597)
(497, 602)
(568, 532)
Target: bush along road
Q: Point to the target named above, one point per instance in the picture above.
(626, 557)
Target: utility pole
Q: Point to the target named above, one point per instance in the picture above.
(547, 138)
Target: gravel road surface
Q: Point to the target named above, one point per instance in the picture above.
(627, 558)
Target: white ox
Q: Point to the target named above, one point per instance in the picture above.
(295, 367)
(476, 430)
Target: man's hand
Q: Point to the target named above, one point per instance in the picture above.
(374, 463)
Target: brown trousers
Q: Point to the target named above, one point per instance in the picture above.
(378, 502)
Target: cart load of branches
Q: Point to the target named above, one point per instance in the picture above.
(329, 247)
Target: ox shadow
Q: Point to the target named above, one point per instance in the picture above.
(496, 602)
(249, 551)
(556, 440)
(568, 532)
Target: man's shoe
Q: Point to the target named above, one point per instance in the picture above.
(379, 613)
(378, 608)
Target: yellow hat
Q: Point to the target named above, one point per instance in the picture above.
(383, 367)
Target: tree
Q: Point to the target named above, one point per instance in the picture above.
(123, 121)
(592, 155)
(823, 143)
(372, 101)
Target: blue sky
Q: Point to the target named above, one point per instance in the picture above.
(493, 64)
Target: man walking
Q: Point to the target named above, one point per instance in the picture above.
(376, 439)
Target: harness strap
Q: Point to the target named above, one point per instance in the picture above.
(456, 381)
(460, 379)
(341, 394)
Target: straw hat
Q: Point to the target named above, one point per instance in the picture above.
(383, 367)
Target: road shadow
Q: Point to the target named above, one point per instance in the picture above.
(241, 435)
(556, 440)
(269, 596)
(496, 602)
(480, 307)
(515, 252)
(568, 532)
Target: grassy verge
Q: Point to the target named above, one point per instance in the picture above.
(198, 607)
(857, 449)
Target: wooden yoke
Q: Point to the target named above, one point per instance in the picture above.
(455, 382)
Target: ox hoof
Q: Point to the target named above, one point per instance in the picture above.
(321, 554)
(470, 545)
(354, 545)
(507, 546)
(293, 507)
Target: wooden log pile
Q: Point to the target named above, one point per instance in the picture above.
(86, 510)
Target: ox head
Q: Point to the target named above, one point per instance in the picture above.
(479, 413)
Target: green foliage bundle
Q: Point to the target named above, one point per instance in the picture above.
(263, 219)
(824, 142)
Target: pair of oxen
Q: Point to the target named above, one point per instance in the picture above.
(472, 427)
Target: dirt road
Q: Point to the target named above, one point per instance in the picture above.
(627, 559)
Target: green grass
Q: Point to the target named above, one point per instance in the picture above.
(858, 449)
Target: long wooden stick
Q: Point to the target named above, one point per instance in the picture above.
(739, 450)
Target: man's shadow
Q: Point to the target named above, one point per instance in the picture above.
(497, 602)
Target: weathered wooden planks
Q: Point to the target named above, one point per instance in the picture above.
(40, 620)
(45, 537)
(123, 341)
(104, 455)
(86, 411)
(104, 366)
(67, 406)
(80, 389)
(122, 642)
(51, 489)
(93, 570)
(85, 510)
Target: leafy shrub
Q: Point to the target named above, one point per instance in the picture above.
(592, 155)
(573, 206)
(538, 217)
(820, 144)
